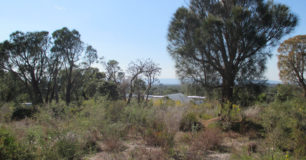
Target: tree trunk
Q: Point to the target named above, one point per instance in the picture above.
(56, 92)
(68, 93)
(132, 88)
(304, 91)
(37, 99)
(148, 91)
(227, 91)
(138, 97)
(227, 94)
(84, 95)
(69, 86)
(130, 95)
(48, 92)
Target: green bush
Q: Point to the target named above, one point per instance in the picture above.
(69, 148)
(114, 110)
(23, 112)
(285, 125)
(10, 149)
(158, 135)
(190, 122)
(138, 116)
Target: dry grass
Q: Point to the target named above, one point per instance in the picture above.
(209, 139)
(113, 144)
(171, 117)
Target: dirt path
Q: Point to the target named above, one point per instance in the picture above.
(206, 123)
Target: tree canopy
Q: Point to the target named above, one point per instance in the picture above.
(218, 43)
(292, 61)
(26, 55)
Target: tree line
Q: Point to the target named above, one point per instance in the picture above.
(46, 68)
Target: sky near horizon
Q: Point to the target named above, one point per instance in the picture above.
(124, 30)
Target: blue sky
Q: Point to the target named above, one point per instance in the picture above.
(123, 30)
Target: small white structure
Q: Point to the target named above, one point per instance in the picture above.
(27, 104)
(180, 97)
(155, 97)
(197, 99)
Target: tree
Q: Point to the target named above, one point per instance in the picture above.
(87, 82)
(109, 89)
(135, 69)
(91, 55)
(218, 43)
(112, 70)
(55, 64)
(123, 88)
(69, 45)
(11, 87)
(292, 61)
(26, 55)
(140, 87)
(152, 71)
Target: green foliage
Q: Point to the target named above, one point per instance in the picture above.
(190, 122)
(10, 149)
(68, 148)
(285, 123)
(286, 92)
(247, 94)
(198, 32)
(230, 112)
(11, 87)
(205, 116)
(114, 111)
(158, 135)
(138, 116)
(109, 89)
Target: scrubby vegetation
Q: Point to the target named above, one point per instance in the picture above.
(101, 128)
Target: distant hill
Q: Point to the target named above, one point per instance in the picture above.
(173, 81)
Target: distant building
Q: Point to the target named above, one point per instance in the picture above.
(197, 99)
(180, 97)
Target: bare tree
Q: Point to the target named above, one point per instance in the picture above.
(135, 69)
(152, 71)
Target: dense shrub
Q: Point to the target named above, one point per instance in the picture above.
(69, 148)
(210, 139)
(114, 111)
(247, 126)
(285, 126)
(190, 122)
(247, 94)
(137, 116)
(23, 112)
(113, 144)
(287, 92)
(10, 149)
(158, 135)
